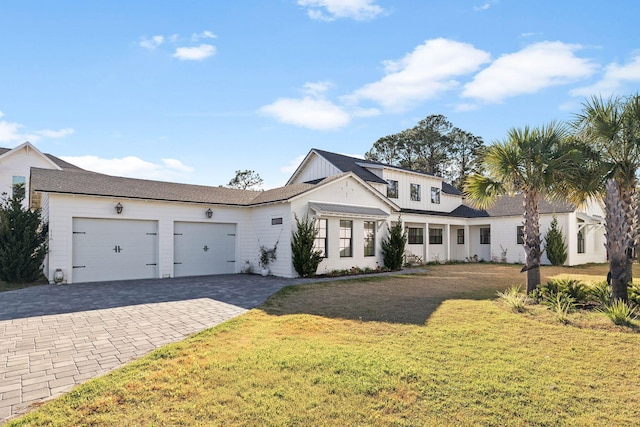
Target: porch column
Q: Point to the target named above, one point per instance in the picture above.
(467, 242)
(425, 233)
(448, 242)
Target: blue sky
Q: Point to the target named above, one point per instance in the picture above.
(193, 91)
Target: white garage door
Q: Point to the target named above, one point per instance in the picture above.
(203, 248)
(114, 249)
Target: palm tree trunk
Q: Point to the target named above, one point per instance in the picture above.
(629, 201)
(619, 240)
(532, 239)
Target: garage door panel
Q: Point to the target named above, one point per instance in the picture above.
(106, 249)
(204, 248)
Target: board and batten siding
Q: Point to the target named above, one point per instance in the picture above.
(447, 203)
(19, 163)
(63, 208)
(317, 167)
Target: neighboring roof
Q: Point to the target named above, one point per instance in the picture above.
(57, 161)
(336, 209)
(450, 189)
(513, 205)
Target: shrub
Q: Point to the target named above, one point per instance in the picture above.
(634, 293)
(561, 304)
(555, 245)
(620, 312)
(393, 246)
(305, 257)
(514, 298)
(23, 239)
(601, 293)
(573, 288)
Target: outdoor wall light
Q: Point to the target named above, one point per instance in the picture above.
(119, 208)
(209, 213)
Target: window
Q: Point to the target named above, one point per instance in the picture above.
(416, 236)
(17, 180)
(520, 235)
(435, 236)
(276, 221)
(485, 236)
(415, 192)
(369, 238)
(435, 195)
(392, 189)
(461, 236)
(581, 241)
(346, 232)
(321, 238)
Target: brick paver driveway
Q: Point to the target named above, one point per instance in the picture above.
(54, 337)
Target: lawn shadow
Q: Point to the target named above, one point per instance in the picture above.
(405, 299)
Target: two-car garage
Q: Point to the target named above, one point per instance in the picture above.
(119, 249)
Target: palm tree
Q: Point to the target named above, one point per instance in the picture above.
(539, 163)
(612, 128)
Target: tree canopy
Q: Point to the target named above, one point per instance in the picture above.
(433, 146)
(246, 180)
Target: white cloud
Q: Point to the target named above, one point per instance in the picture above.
(131, 166)
(203, 35)
(196, 53)
(177, 165)
(151, 43)
(293, 165)
(530, 70)
(10, 133)
(316, 88)
(48, 133)
(308, 112)
(483, 6)
(330, 10)
(615, 76)
(422, 74)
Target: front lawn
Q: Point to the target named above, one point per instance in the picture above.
(435, 349)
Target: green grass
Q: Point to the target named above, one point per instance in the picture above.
(305, 359)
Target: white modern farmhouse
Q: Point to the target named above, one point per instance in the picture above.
(104, 227)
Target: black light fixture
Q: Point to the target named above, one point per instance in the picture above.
(119, 208)
(209, 213)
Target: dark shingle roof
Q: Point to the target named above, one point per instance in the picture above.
(350, 164)
(353, 164)
(462, 211)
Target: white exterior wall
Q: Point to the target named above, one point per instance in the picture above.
(347, 191)
(447, 203)
(63, 208)
(19, 163)
(260, 231)
(316, 168)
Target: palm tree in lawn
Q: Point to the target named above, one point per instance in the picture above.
(539, 163)
(612, 128)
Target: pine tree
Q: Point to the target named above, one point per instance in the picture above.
(305, 257)
(554, 244)
(23, 239)
(393, 246)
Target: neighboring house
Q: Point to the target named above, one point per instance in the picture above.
(105, 227)
(16, 163)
